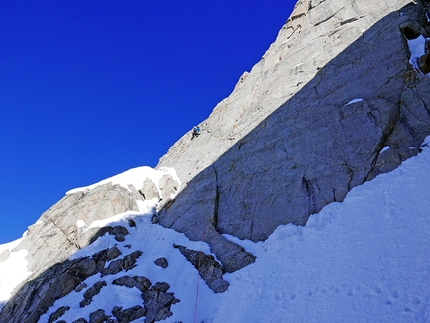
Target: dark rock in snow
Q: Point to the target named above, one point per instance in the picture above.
(58, 313)
(124, 264)
(80, 287)
(98, 316)
(113, 268)
(80, 320)
(140, 282)
(209, 269)
(119, 232)
(131, 223)
(157, 302)
(129, 314)
(161, 262)
(130, 260)
(91, 292)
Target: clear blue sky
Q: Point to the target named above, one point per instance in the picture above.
(89, 89)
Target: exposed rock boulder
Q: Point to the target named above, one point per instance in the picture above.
(140, 282)
(58, 313)
(209, 269)
(118, 231)
(158, 302)
(123, 264)
(98, 316)
(91, 292)
(161, 262)
(129, 314)
(149, 190)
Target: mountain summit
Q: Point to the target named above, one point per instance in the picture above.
(244, 222)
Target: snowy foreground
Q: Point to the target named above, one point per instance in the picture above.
(363, 260)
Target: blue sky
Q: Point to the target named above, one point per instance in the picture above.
(89, 89)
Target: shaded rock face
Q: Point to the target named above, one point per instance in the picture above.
(333, 103)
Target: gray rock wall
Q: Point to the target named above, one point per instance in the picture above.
(288, 141)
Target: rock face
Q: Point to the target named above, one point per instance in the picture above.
(334, 102)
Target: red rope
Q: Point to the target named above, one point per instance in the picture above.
(197, 285)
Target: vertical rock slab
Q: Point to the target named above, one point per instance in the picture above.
(334, 102)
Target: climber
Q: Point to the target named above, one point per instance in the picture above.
(196, 132)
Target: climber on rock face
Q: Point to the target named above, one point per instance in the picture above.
(196, 132)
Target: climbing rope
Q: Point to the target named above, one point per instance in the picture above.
(202, 235)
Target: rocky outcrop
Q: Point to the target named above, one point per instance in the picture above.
(67, 224)
(334, 102)
(157, 302)
(60, 227)
(209, 269)
(37, 296)
(66, 228)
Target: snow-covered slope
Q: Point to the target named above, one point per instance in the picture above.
(362, 260)
(12, 271)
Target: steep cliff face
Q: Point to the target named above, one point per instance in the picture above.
(337, 99)
(342, 95)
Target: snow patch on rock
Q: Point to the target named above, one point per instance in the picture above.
(13, 269)
(135, 176)
(80, 224)
(417, 49)
(354, 101)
